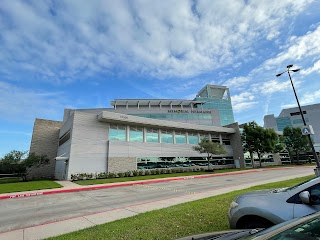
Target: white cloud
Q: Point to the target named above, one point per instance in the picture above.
(298, 48)
(289, 105)
(271, 87)
(243, 101)
(314, 68)
(68, 40)
(237, 82)
(310, 98)
(23, 105)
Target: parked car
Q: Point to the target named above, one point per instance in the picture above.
(304, 228)
(261, 209)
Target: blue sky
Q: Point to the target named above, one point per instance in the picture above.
(83, 54)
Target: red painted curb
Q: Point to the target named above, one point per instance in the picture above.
(124, 184)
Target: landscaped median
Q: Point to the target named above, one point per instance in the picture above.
(205, 215)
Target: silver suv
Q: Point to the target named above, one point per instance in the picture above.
(261, 209)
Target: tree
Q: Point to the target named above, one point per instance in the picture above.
(210, 148)
(20, 163)
(295, 142)
(258, 140)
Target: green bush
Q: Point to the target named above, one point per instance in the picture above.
(122, 175)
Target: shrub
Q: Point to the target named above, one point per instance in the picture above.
(147, 172)
(89, 176)
(74, 177)
(136, 173)
(82, 176)
(142, 173)
(111, 175)
(102, 175)
(121, 175)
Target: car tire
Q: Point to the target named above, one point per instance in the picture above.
(250, 222)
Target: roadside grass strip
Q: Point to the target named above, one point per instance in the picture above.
(200, 216)
(28, 186)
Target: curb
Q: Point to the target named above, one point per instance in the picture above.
(125, 184)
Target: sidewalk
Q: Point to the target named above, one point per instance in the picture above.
(68, 186)
(77, 223)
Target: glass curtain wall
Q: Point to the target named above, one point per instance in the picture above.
(152, 135)
(166, 136)
(181, 138)
(117, 132)
(136, 134)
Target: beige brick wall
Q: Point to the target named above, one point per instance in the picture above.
(44, 140)
(122, 164)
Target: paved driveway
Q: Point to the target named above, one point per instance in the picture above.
(26, 212)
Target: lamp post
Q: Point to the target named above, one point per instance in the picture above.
(304, 121)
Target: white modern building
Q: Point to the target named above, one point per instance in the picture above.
(138, 134)
(291, 117)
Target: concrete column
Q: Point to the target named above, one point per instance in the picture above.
(159, 135)
(144, 134)
(220, 138)
(187, 136)
(174, 137)
(127, 133)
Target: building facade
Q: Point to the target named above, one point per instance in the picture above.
(291, 117)
(144, 134)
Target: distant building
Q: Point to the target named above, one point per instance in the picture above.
(139, 134)
(291, 117)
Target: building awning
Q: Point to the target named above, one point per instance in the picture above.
(118, 118)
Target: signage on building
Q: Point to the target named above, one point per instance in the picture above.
(307, 130)
(187, 111)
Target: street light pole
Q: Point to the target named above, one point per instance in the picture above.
(303, 119)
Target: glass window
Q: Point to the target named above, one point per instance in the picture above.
(226, 141)
(117, 132)
(166, 136)
(181, 138)
(204, 136)
(64, 138)
(193, 138)
(306, 230)
(215, 139)
(152, 135)
(136, 134)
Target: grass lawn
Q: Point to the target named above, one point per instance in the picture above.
(27, 186)
(137, 178)
(185, 219)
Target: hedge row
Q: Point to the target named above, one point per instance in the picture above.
(156, 171)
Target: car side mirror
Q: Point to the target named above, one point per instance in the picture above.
(305, 197)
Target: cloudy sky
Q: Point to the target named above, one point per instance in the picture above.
(83, 54)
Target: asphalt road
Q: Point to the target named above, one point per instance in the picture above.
(26, 212)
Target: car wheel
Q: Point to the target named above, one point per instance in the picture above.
(250, 222)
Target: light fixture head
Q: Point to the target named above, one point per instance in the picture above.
(289, 66)
(296, 70)
(278, 75)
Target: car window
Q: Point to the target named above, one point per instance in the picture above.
(291, 188)
(305, 231)
(315, 194)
